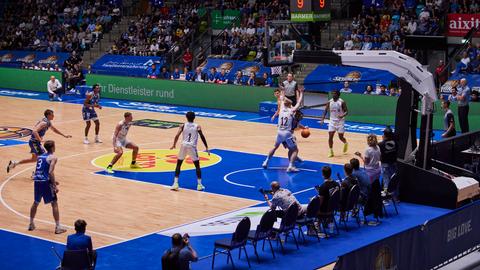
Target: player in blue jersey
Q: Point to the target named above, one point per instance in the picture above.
(35, 141)
(88, 111)
(46, 186)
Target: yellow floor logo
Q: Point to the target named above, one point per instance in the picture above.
(155, 160)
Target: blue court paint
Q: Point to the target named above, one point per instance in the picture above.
(24, 252)
(5, 143)
(240, 175)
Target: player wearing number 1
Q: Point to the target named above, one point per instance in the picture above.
(191, 131)
(285, 136)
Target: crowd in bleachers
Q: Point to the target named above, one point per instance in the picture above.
(463, 6)
(384, 26)
(469, 61)
(244, 42)
(154, 34)
(56, 26)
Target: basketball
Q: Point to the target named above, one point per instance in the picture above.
(305, 133)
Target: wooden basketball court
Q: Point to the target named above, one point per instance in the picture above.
(115, 210)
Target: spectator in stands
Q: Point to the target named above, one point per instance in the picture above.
(268, 81)
(346, 88)
(463, 99)
(187, 59)
(367, 45)
(475, 65)
(176, 74)
(338, 43)
(369, 90)
(239, 79)
(441, 75)
(54, 88)
(179, 256)
(189, 76)
(393, 92)
(152, 72)
(371, 158)
(81, 241)
(383, 91)
(212, 76)
(73, 77)
(453, 95)
(282, 199)
(222, 77)
(164, 74)
(474, 97)
(388, 156)
(464, 63)
(251, 79)
(199, 76)
(348, 44)
(448, 121)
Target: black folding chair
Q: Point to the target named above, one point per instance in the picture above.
(238, 240)
(333, 205)
(76, 260)
(388, 195)
(308, 220)
(287, 226)
(351, 207)
(263, 232)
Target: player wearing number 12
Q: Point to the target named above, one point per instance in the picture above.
(285, 132)
(191, 131)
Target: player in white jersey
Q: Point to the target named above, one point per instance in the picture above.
(338, 110)
(119, 140)
(191, 131)
(285, 136)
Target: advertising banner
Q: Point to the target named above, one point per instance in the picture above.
(447, 237)
(16, 58)
(26, 79)
(458, 25)
(232, 66)
(125, 65)
(329, 77)
(223, 19)
(400, 251)
(229, 97)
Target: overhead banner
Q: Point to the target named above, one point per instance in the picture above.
(224, 19)
(232, 66)
(329, 77)
(17, 58)
(125, 65)
(458, 25)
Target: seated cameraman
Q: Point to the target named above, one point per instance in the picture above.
(180, 255)
(282, 198)
(81, 241)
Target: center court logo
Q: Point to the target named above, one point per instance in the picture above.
(155, 160)
(14, 132)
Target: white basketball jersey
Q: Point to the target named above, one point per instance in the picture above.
(190, 134)
(285, 118)
(336, 109)
(122, 134)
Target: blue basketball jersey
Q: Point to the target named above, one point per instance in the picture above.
(42, 170)
(42, 132)
(93, 101)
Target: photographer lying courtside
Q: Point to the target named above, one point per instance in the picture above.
(282, 198)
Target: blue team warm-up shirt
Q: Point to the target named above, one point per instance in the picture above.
(79, 241)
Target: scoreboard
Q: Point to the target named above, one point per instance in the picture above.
(310, 10)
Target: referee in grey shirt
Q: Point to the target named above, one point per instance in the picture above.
(290, 88)
(463, 98)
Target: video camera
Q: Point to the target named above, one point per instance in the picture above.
(265, 191)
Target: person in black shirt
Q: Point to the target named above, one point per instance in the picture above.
(327, 188)
(448, 121)
(348, 182)
(388, 155)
